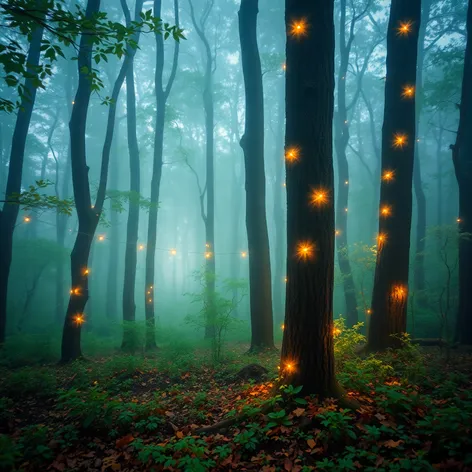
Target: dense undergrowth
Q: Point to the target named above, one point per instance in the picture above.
(134, 413)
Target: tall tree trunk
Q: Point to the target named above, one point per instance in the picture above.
(9, 212)
(419, 275)
(209, 214)
(462, 158)
(390, 293)
(132, 227)
(341, 141)
(307, 350)
(278, 212)
(252, 142)
(162, 94)
(88, 215)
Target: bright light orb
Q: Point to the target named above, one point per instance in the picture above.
(26, 219)
(243, 254)
(381, 240)
(208, 255)
(299, 28)
(408, 91)
(336, 332)
(404, 28)
(173, 252)
(79, 319)
(399, 293)
(319, 197)
(388, 176)
(386, 211)
(400, 140)
(305, 250)
(292, 155)
(101, 237)
(141, 247)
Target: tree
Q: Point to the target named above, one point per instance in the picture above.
(87, 214)
(252, 142)
(390, 293)
(208, 214)
(162, 94)
(132, 227)
(462, 159)
(307, 351)
(9, 212)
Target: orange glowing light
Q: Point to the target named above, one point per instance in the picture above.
(75, 291)
(299, 28)
(286, 279)
(243, 254)
(337, 232)
(408, 91)
(26, 219)
(284, 66)
(101, 237)
(79, 319)
(305, 250)
(404, 28)
(86, 271)
(388, 176)
(336, 332)
(289, 366)
(369, 311)
(400, 140)
(292, 155)
(208, 255)
(282, 326)
(386, 211)
(173, 252)
(459, 220)
(399, 293)
(319, 197)
(381, 240)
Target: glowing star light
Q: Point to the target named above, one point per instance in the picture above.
(26, 219)
(336, 332)
(79, 320)
(404, 28)
(400, 141)
(299, 28)
(141, 247)
(86, 271)
(381, 240)
(305, 250)
(208, 255)
(408, 91)
(319, 197)
(292, 155)
(101, 237)
(173, 252)
(282, 326)
(386, 211)
(243, 254)
(290, 366)
(388, 176)
(337, 232)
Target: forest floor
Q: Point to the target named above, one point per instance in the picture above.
(130, 413)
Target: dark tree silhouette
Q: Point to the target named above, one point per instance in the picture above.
(252, 142)
(462, 158)
(162, 94)
(390, 293)
(307, 351)
(9, 212)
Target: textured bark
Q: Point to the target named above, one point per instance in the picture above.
(162, 94)
(132, 227)
(390, 293)
(462, 158)
(9, 212)
(307, 351)
(252, 142)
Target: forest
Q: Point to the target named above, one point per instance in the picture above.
(235, 235)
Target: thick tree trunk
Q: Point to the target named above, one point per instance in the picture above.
(161, 100)
(9, 212)
(462, 157)
(279, 214)
(390, 293)
(252, 142)
(307, 351)
(132, 227)
(341, 142)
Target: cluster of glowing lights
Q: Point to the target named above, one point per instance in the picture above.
(79, 319)
(408, 91)
(319, 197)
(404, 28)
(388, 176)
(27, 219)
(299, 28)
(305, 250)
(292, 155)
(386, 211)
(75, 291)
(400, 140)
